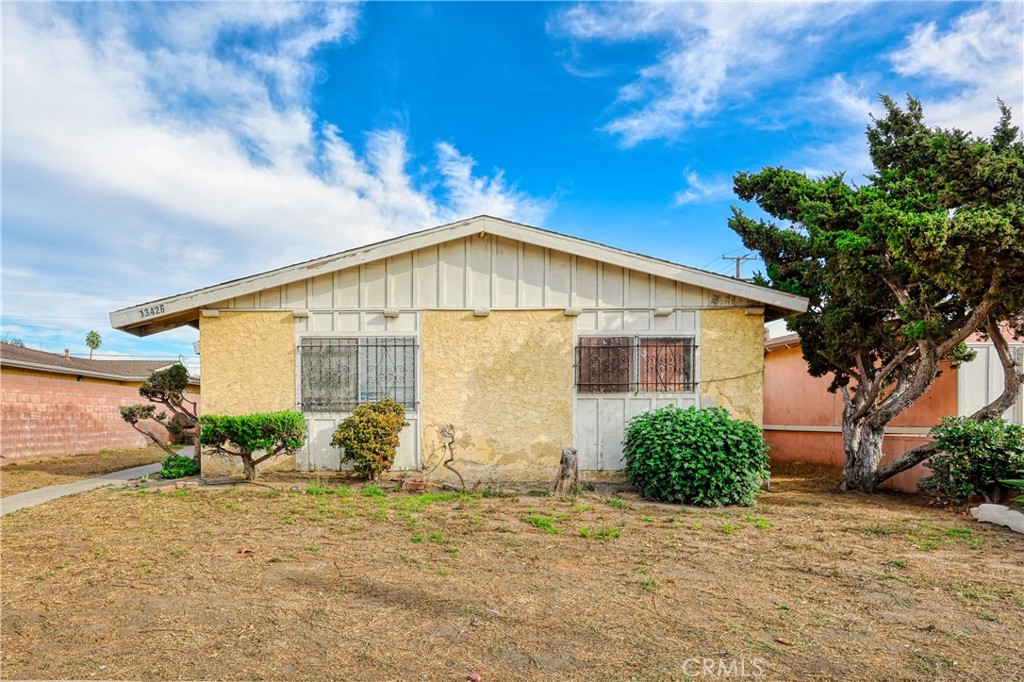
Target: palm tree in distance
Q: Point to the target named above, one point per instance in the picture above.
(93, 340)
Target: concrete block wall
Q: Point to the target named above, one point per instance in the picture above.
(42, 417)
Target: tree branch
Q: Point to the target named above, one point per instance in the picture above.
(973, 323)
(1012, 380)
(905, 461)
(156, 441)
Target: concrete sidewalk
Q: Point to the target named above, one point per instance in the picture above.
(34, 498)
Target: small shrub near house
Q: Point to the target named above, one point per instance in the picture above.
(694, 456)
(370, 437)
(178, 466)
(272, 433)
(974, 458)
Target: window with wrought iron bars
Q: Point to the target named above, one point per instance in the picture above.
(634, 364)
(336, 374)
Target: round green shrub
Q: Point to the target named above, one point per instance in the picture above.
(178, 466)
(974, 459)
(370, 437)
(693, 456)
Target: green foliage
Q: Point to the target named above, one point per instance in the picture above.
(167, 386)
(272, 433)
(1018, 484)
(176, 466)
(974, 458)
(93, 341)
(696, 456)
(603, 533)
(373, 491)
(544, 522)
(133, 414)
(901, 269)
(369, 437)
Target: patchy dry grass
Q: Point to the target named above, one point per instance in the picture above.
(324, 583)
(29, 474)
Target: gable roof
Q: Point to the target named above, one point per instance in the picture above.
(175, 311)
(117, 370)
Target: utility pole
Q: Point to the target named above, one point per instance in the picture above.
(739, 259)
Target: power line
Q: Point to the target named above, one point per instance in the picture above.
(708, 264)
(739, 260)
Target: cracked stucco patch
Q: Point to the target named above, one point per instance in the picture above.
(505, 382)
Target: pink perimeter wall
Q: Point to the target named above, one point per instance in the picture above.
(47, 417)
(812, 417)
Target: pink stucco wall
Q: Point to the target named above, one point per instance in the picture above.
(46, 417)
(793, 398)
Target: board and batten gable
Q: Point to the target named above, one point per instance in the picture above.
(483, 272)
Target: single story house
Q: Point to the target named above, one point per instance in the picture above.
(58, 404)
(525, 340)
(803, 421)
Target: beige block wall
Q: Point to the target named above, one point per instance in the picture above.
(505, 382)
(732, 363)
(248, 366)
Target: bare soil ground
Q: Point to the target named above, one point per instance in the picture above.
(320, 583)
(29, 474)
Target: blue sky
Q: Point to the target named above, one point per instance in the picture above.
(153, 148)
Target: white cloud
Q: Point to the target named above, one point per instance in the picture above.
(713, 55)
(848, 100)
(146, 153)
(701, 190)
(977, 58)
(472, 195)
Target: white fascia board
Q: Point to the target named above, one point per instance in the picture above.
(172, 305)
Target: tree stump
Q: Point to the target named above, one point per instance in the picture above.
(568, 480)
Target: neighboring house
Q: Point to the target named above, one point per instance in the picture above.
(803, 421)
(57, 404)
(525, 340)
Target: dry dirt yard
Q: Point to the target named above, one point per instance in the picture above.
(322, 583)
(29, 474)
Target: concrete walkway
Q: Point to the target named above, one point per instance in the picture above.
(34, 498)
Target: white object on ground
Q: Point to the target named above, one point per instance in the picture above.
(999, 515)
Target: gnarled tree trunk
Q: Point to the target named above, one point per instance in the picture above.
(248, 467)
(862, 443)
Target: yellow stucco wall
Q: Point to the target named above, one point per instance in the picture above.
(248, 366)
(505, 382)
(732, 362)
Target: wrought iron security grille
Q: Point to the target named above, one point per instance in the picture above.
(337, 374)
(621, 364)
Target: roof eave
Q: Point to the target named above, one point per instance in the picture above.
(56, 369)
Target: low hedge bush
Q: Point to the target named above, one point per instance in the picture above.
(178, 466)
(272, 433)
(974, 458)
(370, 437)
(696, 456)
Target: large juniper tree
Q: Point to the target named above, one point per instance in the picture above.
(900, 271)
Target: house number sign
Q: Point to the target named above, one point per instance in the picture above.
(152, 310)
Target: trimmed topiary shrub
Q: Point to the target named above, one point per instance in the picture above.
(974, 458)
(700, 457)
(178, 466)
(273, 433)
(370, 437)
